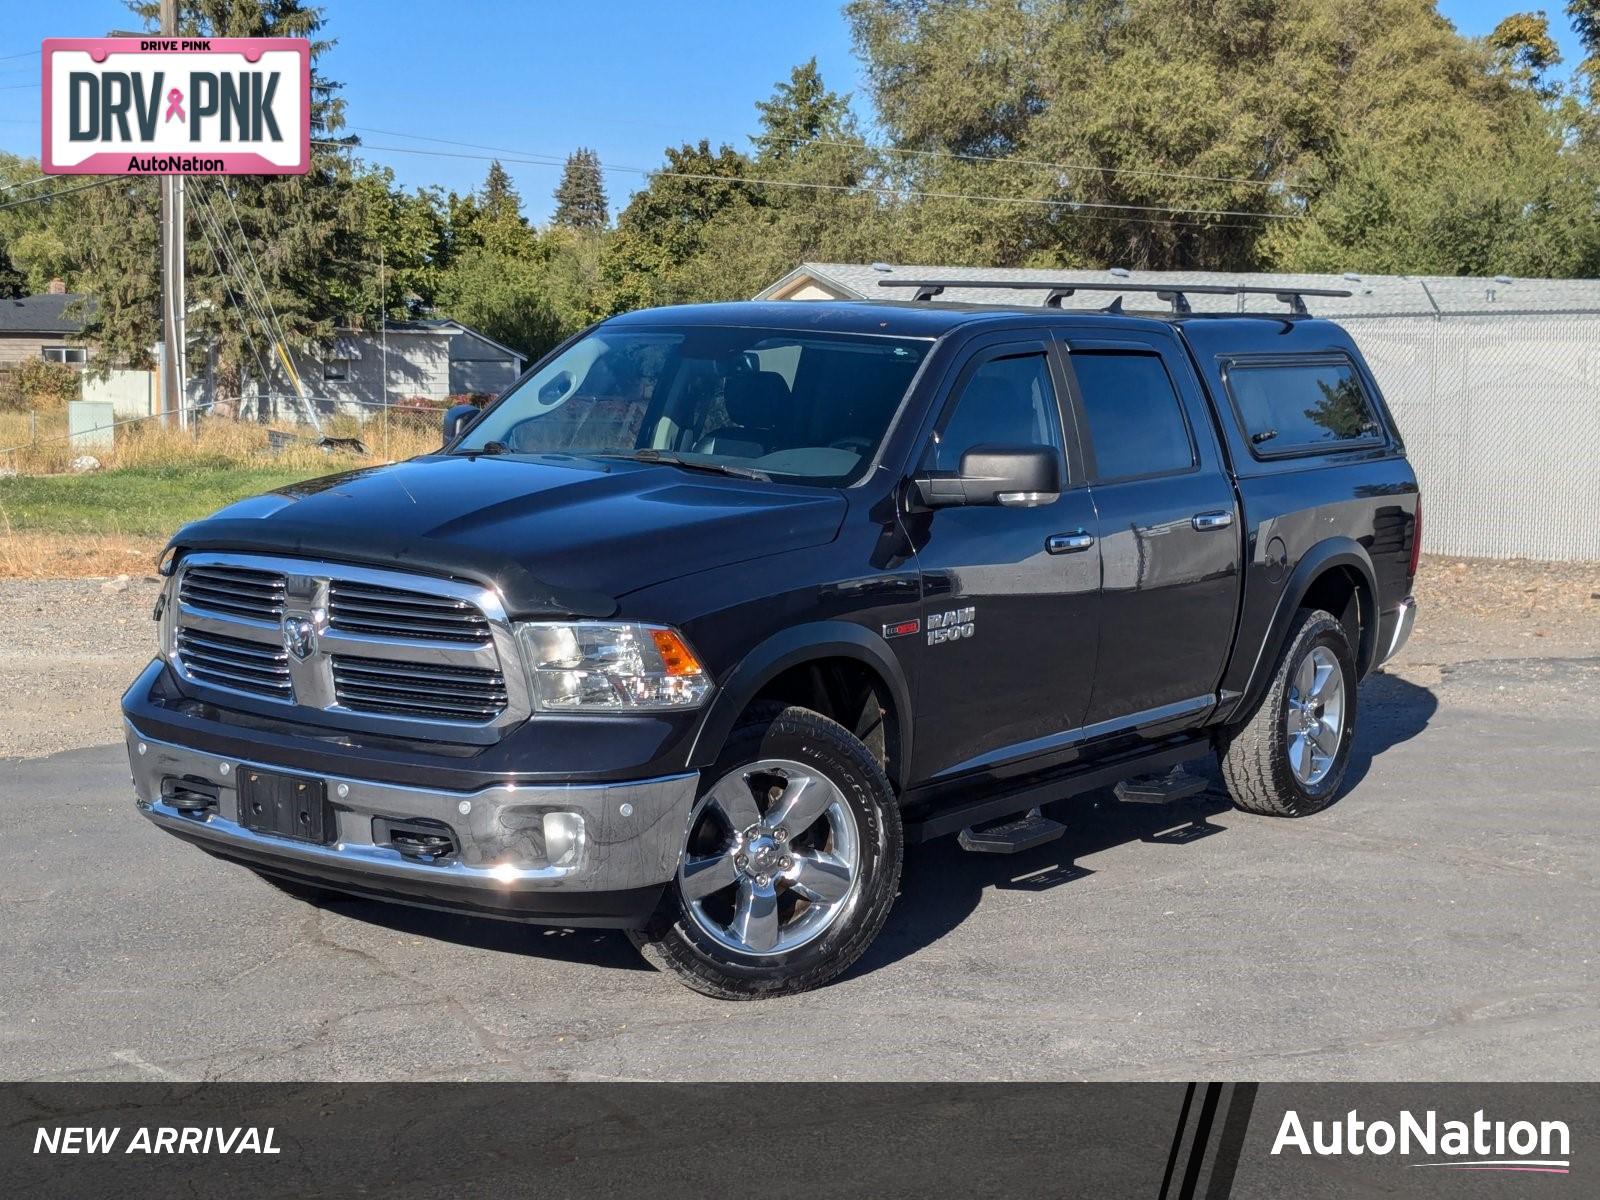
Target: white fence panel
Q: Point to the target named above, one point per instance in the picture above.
(1501, 416)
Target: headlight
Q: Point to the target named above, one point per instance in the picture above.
(603, 666)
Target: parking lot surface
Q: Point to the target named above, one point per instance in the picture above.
(1436, 923)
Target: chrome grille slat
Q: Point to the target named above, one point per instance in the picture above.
(241, 682)
(401, 613)
(234, 663)
(414, 632)
(384, 651)
(256, 650)
(355, 593)
(363, 684)
(241, 668)
(385, 670)
(235, 591)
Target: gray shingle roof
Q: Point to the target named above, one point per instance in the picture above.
(1373, 295)
(39, 314)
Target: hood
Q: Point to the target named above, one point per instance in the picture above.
(565, 537)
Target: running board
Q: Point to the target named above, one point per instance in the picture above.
(1031, 829)
(1176, 784)
(985, 812)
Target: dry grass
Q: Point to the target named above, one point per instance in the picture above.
(42, 448)
(29, 554)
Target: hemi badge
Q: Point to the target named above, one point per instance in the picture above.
(903, 628)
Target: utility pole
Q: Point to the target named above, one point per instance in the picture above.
(173, 398)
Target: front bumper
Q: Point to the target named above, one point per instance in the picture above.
(628, 847)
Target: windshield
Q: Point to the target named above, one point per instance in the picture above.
(811, 407)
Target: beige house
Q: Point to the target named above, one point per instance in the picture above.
(39, 327)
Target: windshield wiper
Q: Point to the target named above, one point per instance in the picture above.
(689, 464)
(486, 448)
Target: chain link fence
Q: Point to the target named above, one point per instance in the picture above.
(1501, 416)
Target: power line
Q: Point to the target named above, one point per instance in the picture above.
(64, 191)
(878, 149)
(202, 210)
(26, 182)
(249, 249)
(885, 190)
(1039, 162)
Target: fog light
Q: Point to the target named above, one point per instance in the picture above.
(563, 838)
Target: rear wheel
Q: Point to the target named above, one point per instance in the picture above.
(1289, 759)
(790, 864)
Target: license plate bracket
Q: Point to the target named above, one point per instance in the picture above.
(286, 806)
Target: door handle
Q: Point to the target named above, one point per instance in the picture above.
(1212, 520)
(1068, 543)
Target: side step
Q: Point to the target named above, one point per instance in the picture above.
(1031, 829)
(1176, 784)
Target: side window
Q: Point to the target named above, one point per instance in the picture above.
(1135, 420)
(1302, 406)
(1005, 402)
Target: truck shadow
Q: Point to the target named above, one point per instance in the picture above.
(943, 884)
(592, 947)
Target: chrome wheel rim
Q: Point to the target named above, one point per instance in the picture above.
(772, 860)
(1314, 718)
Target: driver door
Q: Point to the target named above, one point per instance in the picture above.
(1011, 593)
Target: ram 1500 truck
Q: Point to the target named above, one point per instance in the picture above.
(721, 606)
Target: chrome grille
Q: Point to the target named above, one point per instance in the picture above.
(396, 612)
(236, 591)
(346, 646)
(417, 690)
(235, 663)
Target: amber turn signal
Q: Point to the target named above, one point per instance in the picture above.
(675, 654)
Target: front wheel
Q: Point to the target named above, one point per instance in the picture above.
(790, 864)
(1290, 757)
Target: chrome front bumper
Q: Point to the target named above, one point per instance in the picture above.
(631, 833)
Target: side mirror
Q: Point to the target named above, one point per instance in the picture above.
(1015, 476)
(456, 419)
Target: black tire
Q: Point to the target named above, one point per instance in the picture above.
(1255, 758)
(676, 942)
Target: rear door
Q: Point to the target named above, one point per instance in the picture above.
(1007, 645)
(1168, 527)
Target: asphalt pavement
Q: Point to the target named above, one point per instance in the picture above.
(1438, 922)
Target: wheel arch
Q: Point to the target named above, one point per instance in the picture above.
(1333, 568)
(813, 644)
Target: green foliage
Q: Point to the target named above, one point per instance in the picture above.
(1299, 134)
(40, 385)
(581, 195)
(1524, 45)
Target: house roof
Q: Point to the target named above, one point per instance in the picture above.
(40, 314)
(439, 325)
(1372, 295)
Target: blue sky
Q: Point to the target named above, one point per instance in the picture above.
(627, 77)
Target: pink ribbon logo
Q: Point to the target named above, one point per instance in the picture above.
(175, 106)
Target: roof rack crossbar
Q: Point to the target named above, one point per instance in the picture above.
(927, 289)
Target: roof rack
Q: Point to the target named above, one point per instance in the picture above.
(1176, 295)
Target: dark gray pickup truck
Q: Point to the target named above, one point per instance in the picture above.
(719, 607)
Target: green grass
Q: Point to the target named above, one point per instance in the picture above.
(138, 501)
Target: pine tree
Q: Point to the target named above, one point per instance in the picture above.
(499, 201)
(581, 195)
